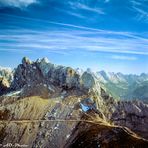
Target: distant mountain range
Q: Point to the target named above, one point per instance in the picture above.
(119, 85)
(125, 86)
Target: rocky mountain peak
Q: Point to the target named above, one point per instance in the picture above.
(6, 77)
(43, 60)
(45, 74)
(4, 85)
(125, 86)
(7, 73)
(26, 60)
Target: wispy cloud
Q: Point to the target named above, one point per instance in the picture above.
(79, 9)
(141, 9)
(69, 38)
(83, 6)
(120, 34)
(121, 57)
(16, 3)
(75, 14)
(70, 41)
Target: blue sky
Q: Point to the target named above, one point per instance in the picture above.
(101, 34)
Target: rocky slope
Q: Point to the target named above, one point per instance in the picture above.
(101, 134)
(53, 106)
(132, 114)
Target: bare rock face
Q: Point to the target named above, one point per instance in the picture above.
(132, 114)
(44, 74)
(6, 77)
(7, 73)
(4, 85)
(26, 74)
(98, 134)
(88, 80)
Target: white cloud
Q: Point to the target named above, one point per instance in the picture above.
(81, 38)
(78, 15)
(17, 3)
(121, 57)
(83, 6)
(67, 41)
(141, 9)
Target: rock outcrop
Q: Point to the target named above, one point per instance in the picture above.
(6, 77)
(6, 73)
(132, 114)
(4, 85)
